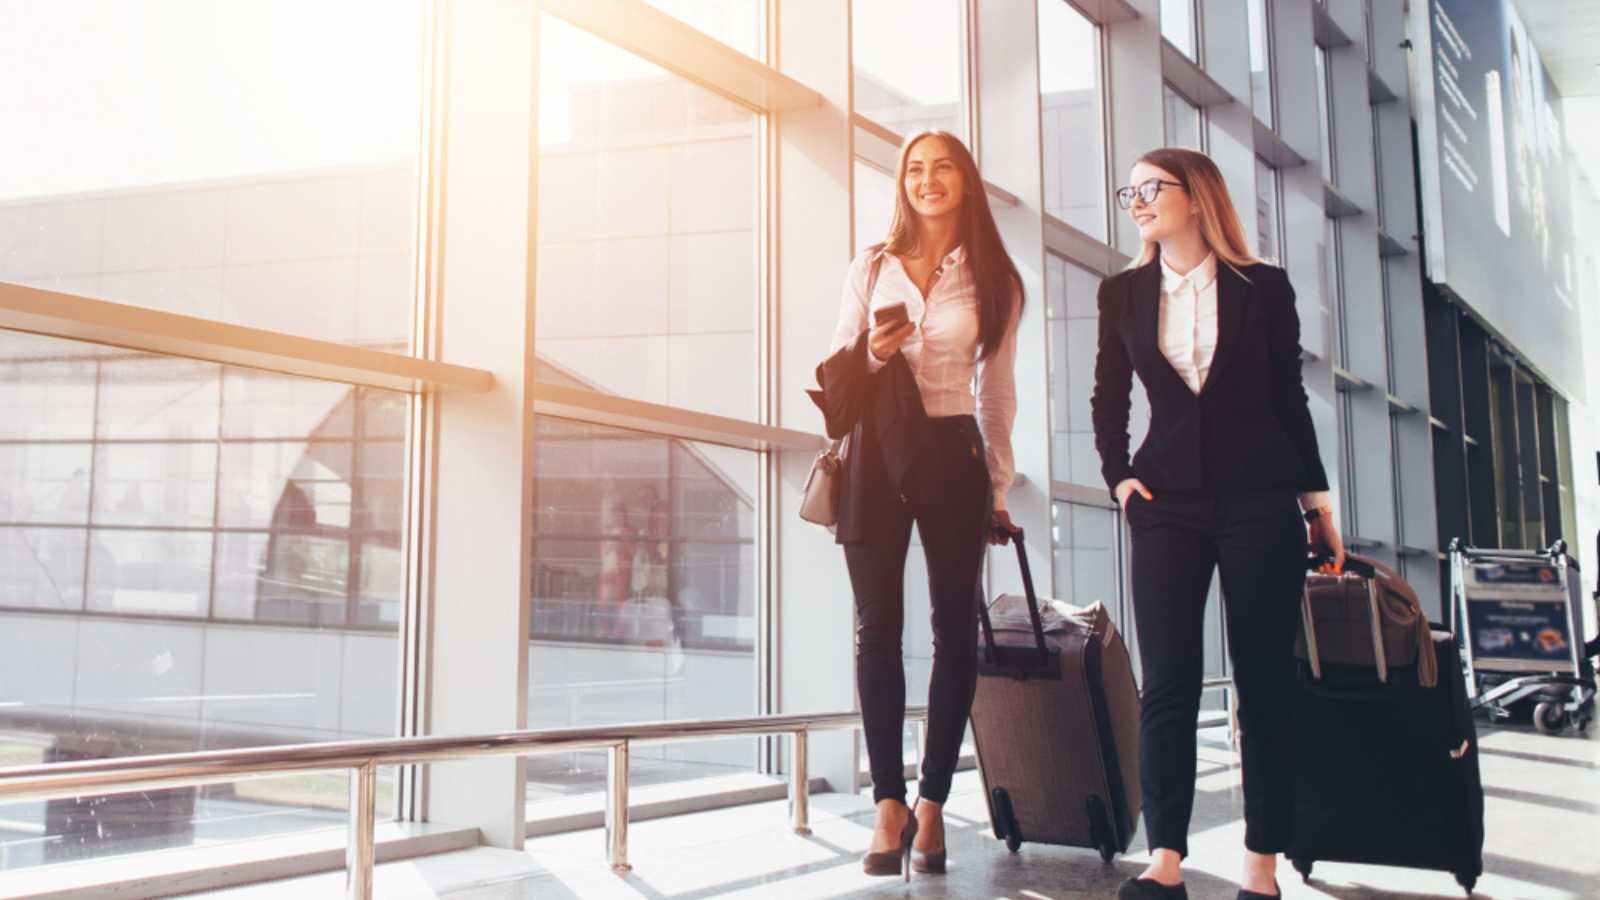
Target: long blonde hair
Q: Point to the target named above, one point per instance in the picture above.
(1219, 221)
(994, 275)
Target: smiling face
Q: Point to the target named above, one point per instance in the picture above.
(1172, 212)
(933, 182)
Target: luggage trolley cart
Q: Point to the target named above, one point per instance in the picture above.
(1518, 619)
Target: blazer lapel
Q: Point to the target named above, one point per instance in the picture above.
(1233, 301)
(1147, 306)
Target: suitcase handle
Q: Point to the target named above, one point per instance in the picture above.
(1353, 565)
(991, 651)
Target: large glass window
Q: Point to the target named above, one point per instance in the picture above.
(874, 207)
(1333, 286)
(1073, 318)
(1070, 101)
(1178, 26)
(736, 23)
(1087, 559)
(1261, 61)
(908, 63)
(191, 557)
(647, 229)
(1182, 120)
(1269, 221)
(180, 160)
(644, 598)
(1325, 115)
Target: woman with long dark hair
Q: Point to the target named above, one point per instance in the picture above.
(1212, 333)
(940, 297)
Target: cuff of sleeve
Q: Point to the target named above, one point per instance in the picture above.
(1310, 500)
(1115, 478)
(874, 364)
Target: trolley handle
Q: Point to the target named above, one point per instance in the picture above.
(991, 650)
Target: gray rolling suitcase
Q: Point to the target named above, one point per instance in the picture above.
(1056, 723)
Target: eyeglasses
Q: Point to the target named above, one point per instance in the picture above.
(1147, 191)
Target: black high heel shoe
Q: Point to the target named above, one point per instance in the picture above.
(897, 861)
(1257, 895)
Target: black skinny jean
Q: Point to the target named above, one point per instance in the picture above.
(950, 504)
(1258, 541)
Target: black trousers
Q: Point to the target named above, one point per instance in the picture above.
(950, 504)
(1258, 541)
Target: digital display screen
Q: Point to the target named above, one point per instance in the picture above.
(1497, 219)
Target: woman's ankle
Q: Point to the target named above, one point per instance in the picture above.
(1165, 867)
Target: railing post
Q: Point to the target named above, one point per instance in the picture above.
(799, 784)
(361, 854)
(617, 809)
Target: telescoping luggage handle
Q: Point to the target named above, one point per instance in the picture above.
(1019, 662)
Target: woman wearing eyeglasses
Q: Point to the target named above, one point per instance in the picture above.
(1220, 484)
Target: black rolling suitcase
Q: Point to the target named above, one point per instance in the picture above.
(1387, 772)
(1056, 723)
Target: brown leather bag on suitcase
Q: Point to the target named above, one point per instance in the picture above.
(1366, 616)
(1056, 723)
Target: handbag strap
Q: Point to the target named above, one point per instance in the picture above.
(873, 269)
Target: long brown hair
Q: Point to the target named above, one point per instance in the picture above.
(993, 273)
(1219, 221)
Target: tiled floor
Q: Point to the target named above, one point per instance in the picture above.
(1543, 823)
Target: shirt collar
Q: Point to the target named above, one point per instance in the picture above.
(955, 257)
(1199, 278)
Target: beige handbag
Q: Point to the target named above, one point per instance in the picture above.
(819, 504)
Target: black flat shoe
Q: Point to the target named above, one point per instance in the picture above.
(1145, 889)
(1254, 895)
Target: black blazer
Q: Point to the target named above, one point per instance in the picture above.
(1248, 429)
(882, 413)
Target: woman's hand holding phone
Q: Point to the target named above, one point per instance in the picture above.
(891, 327)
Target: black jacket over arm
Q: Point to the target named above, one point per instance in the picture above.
(882, 413)
(1249, 429)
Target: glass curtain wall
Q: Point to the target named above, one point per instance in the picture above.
(1261, 93)
(907, 60)
(1182, 120)
(1180, 26)
(1070, 68)
(197, 556)
(644, 587)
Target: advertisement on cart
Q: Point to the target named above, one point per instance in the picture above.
(1517, 616)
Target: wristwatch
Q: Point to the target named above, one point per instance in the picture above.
(1317, 512)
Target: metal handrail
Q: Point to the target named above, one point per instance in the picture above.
(362, 759)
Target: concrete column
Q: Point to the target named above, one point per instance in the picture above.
(480, 282)
(812, 630)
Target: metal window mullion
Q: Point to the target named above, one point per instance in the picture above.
(769, 480)
(216, 497)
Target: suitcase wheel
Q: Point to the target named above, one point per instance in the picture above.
(1303, 866)
(1005, 820)
(1100, 830)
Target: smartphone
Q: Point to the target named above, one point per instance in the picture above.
(890, 315)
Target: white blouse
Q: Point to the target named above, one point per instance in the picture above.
(943, 350)
(1188, 332)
